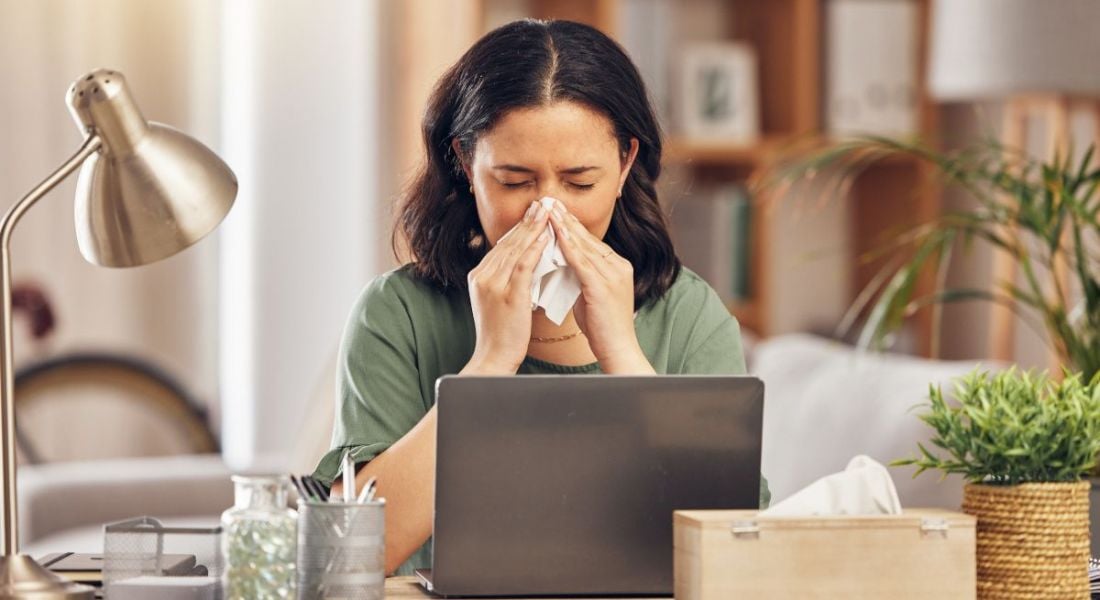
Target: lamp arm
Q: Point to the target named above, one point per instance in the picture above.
(7, 400)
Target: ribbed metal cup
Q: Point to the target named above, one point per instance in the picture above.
(341, 550)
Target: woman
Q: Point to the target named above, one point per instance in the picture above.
(533, 109)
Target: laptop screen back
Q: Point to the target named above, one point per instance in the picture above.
(566, 485)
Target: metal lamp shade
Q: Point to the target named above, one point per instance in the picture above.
(150, 204)
(150, 191)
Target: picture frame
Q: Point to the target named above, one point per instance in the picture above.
(719, 93)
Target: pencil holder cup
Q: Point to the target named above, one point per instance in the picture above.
(341, 550)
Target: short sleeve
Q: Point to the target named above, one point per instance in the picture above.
(378, 397)
(714, 347)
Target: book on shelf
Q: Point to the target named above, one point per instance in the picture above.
(870, 70)
(712, 234)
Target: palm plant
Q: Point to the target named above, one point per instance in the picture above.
(1043, 214)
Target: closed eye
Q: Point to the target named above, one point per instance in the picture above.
(523, 184)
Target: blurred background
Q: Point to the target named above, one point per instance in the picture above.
(316, 108)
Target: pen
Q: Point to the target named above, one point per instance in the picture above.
(368, 491)
(349, 478)
(317, 491)
(303, 495)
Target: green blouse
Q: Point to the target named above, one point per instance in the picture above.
(403, 334)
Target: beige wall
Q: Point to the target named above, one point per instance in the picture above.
(420, 40)
(301, 127)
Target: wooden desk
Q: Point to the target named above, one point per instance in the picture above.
(406, 588)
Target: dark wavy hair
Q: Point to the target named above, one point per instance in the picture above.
(532, 63)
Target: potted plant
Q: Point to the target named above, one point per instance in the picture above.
(1044, 214)
(1023, 442)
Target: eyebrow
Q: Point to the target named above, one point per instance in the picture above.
(569, 171)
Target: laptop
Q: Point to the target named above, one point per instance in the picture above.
(565, 485)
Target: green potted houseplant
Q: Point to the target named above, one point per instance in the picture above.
(1023, 442)
(1044, 214)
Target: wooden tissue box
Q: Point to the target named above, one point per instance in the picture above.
(727, 554)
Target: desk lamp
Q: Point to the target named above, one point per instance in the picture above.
(145, 191)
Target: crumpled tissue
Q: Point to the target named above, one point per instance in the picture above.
(863, 488)
(555, 286)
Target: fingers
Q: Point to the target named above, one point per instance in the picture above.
(582, 250)
(574, 253)
(526, 232)
(520, 263)
(524, 270)
(498, 265)
(507, 242)
(576, 231)
(528, 216)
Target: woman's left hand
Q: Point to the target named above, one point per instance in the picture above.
(605, 308)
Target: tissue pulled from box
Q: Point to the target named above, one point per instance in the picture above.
(554, 286)
(863, 488)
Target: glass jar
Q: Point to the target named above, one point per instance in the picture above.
(259, 540)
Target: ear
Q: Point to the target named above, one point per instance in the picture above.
(627, 163)
(456, 147)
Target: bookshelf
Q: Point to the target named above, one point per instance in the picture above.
(787, 36)
(757, 154)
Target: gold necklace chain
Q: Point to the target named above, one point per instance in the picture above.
(551, 340)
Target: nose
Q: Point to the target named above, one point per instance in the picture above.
(553, 190)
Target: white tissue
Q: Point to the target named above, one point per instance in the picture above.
(555, 286)
(863, 488)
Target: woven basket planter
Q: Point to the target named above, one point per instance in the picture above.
(1033, 540)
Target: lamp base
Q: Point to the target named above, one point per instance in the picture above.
(22, 577)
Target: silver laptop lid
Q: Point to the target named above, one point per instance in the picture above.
(566, 484)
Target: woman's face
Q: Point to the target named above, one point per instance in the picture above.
(564, 150)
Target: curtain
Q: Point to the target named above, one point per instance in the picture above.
(299, 106)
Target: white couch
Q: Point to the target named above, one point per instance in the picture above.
(824, 403)
(63, 506)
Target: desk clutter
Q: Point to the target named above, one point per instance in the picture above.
(843, 536)
(261, 537)
(341, 541)
(331, 547)
(144, 558)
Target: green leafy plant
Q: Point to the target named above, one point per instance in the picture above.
(1045, 215)
(1013, 427)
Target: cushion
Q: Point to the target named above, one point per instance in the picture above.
(825, 402)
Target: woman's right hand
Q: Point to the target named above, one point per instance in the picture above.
(500, 296)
